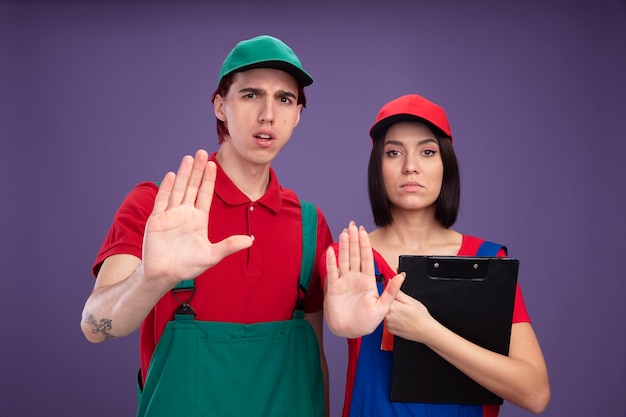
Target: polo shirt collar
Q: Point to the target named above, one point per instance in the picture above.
(230, 194)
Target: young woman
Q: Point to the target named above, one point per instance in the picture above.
(414, 190)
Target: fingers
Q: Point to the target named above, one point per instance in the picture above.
(188, 179)
(205, 193)
(344, 256)
(365, 249)
(331, 265)
(354, 249)
(163, 195)
(180, 184)
(196, 176)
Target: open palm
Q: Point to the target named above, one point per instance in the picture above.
(352, 305)
(176, 244)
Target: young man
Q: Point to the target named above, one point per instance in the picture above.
(208, 263)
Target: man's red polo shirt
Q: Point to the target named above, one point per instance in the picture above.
(254, 285)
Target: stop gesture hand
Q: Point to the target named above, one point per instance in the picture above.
(176, 244)
(352, 305)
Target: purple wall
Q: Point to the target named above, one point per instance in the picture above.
(98, 96)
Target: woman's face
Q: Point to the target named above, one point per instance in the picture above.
(412, 167)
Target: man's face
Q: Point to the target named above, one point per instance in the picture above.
(260, 112)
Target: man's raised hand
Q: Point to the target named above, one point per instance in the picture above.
(176, 244)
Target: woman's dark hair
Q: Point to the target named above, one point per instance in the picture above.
(446, 205)
(222, 90)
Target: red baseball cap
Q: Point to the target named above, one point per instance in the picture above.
(410, 107)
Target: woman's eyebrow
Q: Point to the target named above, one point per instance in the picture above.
(421, 142)
(425, 141)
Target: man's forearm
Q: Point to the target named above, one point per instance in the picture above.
(117, 310)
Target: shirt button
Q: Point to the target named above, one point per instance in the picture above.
(251, 208)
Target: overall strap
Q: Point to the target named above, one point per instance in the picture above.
(380, 278)
(490, 249)
(185, 311)
(309, 246)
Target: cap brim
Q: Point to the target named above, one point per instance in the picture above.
(381, 127)
(303, 78)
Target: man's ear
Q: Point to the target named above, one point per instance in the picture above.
(298, 116)
(218, 108)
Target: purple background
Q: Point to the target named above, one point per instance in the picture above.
(98, 96)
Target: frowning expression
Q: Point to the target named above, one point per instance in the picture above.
(260, 112)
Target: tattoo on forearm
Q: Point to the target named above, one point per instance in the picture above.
(102, 327)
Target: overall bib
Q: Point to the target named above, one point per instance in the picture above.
(372, 381)
(270, 369)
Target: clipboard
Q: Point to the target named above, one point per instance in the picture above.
(473, 297)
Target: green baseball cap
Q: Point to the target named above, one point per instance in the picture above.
(264, 52)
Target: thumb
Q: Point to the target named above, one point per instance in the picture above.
(404, 298)
(392, 289)
(233, 244)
